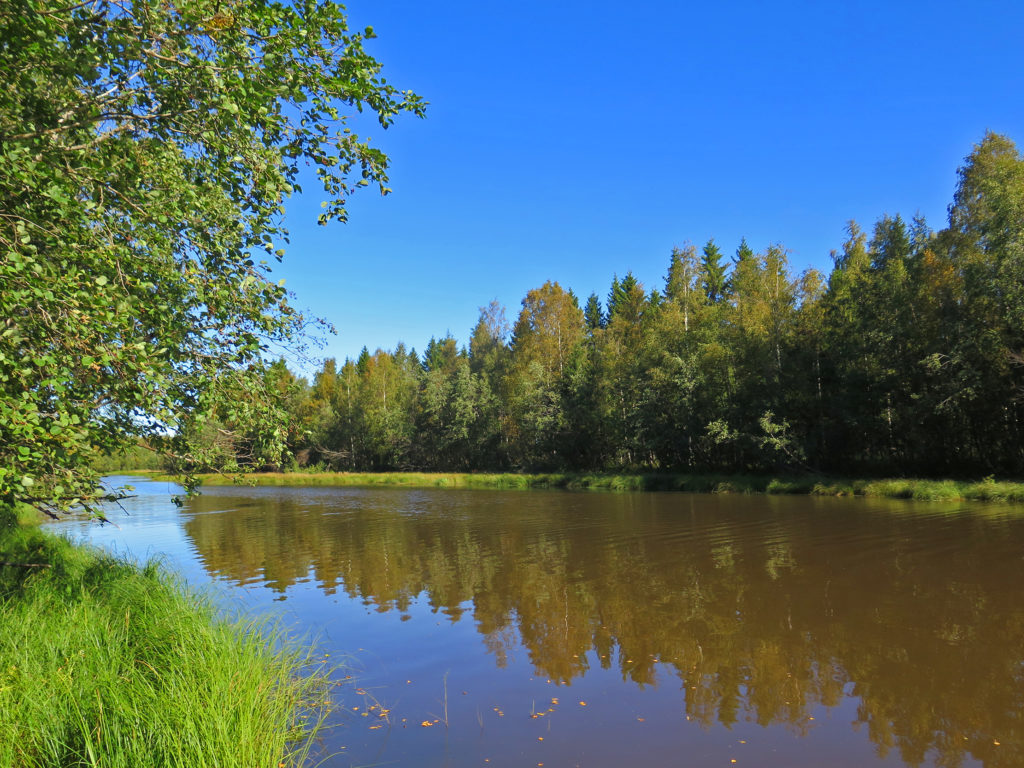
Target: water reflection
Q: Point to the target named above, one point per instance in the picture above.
(765, 609)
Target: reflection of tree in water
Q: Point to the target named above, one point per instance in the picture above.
(762, 615)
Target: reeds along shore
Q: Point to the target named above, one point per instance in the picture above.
(897, 488)
(106, 663)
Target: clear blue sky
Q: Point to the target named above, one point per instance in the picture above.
(574, 140)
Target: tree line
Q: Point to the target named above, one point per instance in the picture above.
(906, 358)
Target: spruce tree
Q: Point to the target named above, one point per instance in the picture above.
(593, 316)
(712, 272)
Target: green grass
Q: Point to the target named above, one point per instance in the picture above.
(896, 488)
(105, 663)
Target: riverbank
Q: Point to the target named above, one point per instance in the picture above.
(108, 663)
(897, 488)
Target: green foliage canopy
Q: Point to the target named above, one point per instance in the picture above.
(907, 358)
(146, 148)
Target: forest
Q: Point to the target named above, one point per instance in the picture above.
(907, 358)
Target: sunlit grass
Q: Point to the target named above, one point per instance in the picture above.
(105, 663)
(895, 488)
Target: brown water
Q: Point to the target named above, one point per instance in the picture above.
(591, 629)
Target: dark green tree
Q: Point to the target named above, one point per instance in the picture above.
(593, 315)
(441, 354)
(712, 272)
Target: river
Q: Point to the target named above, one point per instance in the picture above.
(535, 628)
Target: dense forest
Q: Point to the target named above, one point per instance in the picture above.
(907, 358)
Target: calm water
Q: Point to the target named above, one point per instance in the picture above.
(565, 629)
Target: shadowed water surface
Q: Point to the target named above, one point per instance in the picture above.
(596, 629)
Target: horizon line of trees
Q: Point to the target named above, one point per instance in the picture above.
(906, 358)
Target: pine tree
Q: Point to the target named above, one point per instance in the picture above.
(363, 361)
(593, 315)
(712, 273)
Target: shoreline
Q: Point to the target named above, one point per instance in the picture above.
(988, 489)
(107, 661)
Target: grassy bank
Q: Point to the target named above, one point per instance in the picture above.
(925, 490)
(105, 663)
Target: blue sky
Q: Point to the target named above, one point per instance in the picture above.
(571, 141)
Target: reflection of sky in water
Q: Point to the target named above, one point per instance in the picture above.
(147, 525)
(738, 611)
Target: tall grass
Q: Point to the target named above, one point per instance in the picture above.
(896, 488)
(104, 663)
